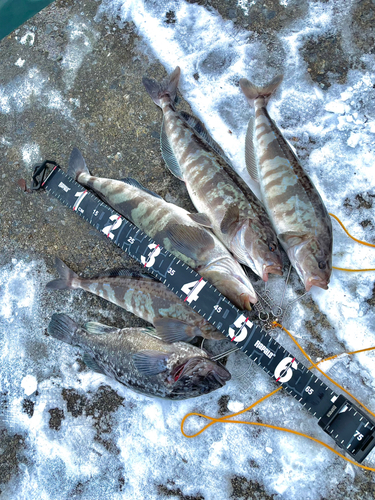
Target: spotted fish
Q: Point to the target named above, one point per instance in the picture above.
(140, 360)
(143, 296)
(180, 232)
(294, 205)
(237, 218)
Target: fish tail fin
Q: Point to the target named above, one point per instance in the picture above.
(77, 164)
(168, 87)
(62, 327)
(252, 92)
(66, 277)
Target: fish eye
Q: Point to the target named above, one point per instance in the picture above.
(272, 247)
(322, 264)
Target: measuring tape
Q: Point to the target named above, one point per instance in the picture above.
(351, 429)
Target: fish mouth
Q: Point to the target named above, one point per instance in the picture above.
(271, 269)
(314, 281)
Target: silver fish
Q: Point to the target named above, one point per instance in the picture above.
(137, 358)
(180, 232)
(237, 218)
(293, 203)
(143, 296)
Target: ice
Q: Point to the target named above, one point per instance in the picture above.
(336, 128)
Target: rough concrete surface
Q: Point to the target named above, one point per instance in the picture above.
(115, 124)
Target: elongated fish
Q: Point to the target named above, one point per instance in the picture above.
(180, 232)
(137, 358)
(294, 205)
(237, 218)
(143, 296)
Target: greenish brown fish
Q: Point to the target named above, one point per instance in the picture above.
(140, 360)
(237, 218)
(143, 296)
(183, 234)
(293, 203)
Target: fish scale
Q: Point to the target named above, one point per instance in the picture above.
(297, 212)
(184, 234)
(237, 218)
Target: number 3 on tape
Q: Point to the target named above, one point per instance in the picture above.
(150, 260)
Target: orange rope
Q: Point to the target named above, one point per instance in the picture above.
(226, 418)
(358, 241)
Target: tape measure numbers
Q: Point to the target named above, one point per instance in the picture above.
(351, 429)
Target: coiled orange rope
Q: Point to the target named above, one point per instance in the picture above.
(226, 418)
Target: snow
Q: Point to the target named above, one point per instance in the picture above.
(146, 433)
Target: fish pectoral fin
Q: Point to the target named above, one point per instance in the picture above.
(151, 363)
(168, 154)
(231, 216)
(98, 328)
(91, 363)
(173, 330)
(190, 240)
(201, 131)
(201, 219)
(132, 182)
(250, 154)
(77, 164)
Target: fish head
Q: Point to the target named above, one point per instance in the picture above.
(228, 277)
(258, 249)
(312, 260)
(199, 375)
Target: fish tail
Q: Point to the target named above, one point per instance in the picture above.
(252, 92)
(66, 277)
(77, 164)
(168, 87)
(62, 328)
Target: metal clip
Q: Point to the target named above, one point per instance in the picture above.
(41, 169)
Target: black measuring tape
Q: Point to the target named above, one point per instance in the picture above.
(351, 429)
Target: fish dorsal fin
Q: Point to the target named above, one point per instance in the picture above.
(173, 330)
(232, 215)
(250, 155)
(99, 329)
(132, 182)
(200, 129)
(168, 154)
(92, 364)
(201, 219)
(190, 240)
(151, 363)
(126, 273)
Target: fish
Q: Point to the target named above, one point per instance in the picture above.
(294, 205)
(144, 296)
(237, 217)
(140, 360)
(182, 233)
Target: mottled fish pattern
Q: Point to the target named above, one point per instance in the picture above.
(145, 297)
(294, 205)
(181, 233)
(140, 360)
(237, 218)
